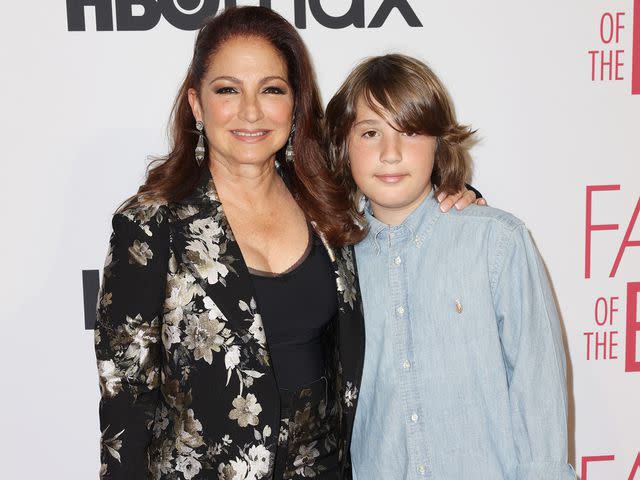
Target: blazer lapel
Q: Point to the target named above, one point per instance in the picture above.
(206, 247)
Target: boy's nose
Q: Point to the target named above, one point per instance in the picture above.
(391, 152)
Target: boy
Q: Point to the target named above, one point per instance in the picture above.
(464, 373)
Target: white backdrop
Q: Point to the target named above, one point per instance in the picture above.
(82, 110)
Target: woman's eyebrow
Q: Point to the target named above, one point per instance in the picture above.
(274, 77)
(226, 77)
(237, 80)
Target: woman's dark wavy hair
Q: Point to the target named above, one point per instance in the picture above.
(174, 176)
(414, 99)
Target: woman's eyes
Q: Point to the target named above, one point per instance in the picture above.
(223, 90)
(270, 90)
(369, 134)
(410, 134)
(276, 90)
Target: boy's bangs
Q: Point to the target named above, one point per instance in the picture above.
(401, 107)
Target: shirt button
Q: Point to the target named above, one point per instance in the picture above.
(400, 310)
(397, 260)
(414, 417)
(406, 365)
(421, 469)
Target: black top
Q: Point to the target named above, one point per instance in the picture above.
(296, 306)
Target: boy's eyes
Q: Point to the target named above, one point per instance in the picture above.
(373, 133)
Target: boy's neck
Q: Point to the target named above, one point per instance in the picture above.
(394, 216)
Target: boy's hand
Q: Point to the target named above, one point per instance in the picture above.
(461, 200)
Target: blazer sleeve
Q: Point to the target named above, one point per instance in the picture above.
(127, 340)
(534, 357)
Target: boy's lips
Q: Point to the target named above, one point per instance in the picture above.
(391, 177)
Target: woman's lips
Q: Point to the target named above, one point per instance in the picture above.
(391, 177)
(250, 136)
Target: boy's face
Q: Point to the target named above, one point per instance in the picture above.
(392, 168)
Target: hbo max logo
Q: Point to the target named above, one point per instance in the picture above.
(188, 14)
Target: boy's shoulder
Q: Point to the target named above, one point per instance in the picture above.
(486, 216)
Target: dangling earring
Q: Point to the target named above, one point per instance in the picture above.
(200, 147)
(288, 152)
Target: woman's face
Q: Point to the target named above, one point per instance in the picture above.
(245, 102)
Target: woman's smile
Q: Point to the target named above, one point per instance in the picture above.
(250, 136)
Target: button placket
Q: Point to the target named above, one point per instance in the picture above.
(400, 298)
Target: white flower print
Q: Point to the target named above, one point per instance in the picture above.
(186, 211)
(202, 336)
(203, 250)
(188, 465)
(236, 470)
(106, 300)
(350, 394)
(205, 261)
(162, 465)
(144, 213)
(207, 229)
(214, 311)
(259, 460)
(143, 335)
(305, 458)
(170, 335)
(187, 429)
(181, 290)
(140, 253)
(246, 410)
(257, 328)
(283, 436)
(346, 279)
(160, 422)
(113, 444)
(110, 378)
(231, 360)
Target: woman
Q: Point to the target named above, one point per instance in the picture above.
(191, 388)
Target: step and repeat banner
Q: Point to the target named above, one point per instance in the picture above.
(86, 90)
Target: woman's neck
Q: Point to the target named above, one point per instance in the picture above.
(247, 184)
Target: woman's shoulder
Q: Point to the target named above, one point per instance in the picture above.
(142, 211)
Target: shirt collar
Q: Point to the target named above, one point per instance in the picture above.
(418, 224)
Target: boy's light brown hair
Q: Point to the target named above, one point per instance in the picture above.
(411, 96)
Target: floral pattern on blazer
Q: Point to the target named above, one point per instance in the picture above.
(188, 391)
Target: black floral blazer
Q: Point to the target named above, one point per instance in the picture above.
(187, 387)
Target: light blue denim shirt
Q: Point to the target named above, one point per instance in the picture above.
(464, 372)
